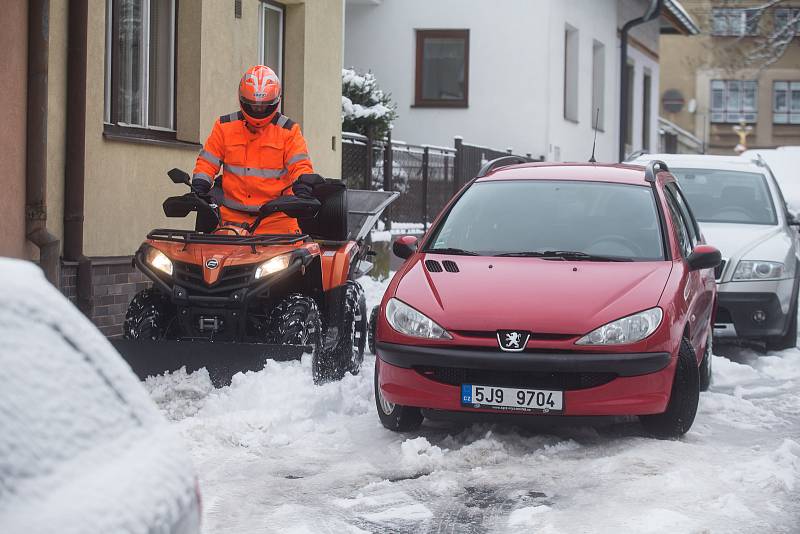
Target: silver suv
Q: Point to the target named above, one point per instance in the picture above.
(741, 211)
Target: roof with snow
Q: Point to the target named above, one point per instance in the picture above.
(675, 18)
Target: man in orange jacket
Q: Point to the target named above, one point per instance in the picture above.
(262, 153)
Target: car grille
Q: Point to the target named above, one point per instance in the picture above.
(231, 278)
(719, 270)
(562, 381)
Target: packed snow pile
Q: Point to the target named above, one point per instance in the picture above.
(82, 447)
(277, 454)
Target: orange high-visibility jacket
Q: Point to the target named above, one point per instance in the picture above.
(257, 167)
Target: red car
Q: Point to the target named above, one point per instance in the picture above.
(568, 289)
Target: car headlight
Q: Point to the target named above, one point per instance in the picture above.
(159, 260)
(629, 329)
(273, 265)
(758, 270)
(410, 322)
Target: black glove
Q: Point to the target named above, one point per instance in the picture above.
(303, 187)
(201, 187)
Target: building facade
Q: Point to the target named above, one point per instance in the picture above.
(108, 95)
(744, 67)
(525, 74)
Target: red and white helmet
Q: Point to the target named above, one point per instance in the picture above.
(259, 95)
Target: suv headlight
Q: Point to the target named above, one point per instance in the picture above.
(410, 322)
(629, 329)
(758, 270)
(159, 260)
(272, 265)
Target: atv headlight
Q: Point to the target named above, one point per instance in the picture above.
(273, 265)
(758, 270)
(629, 329)
(159, 260)
(410, 322)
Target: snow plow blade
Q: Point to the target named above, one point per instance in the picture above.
(221, 360)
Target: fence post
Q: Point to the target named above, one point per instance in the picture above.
(458, 163)
(425, 160)
(368, 162)
(388, 164)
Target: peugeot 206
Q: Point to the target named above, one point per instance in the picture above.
(558, 289)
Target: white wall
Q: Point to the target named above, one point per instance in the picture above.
(516, 70)
(641, 63)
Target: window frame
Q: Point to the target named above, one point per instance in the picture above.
(792, 116)
(421, 35)
(114, 127)
(572, 74)
(789, 13)
(598, 84)
(264, 6)
(681, 227)
(743, 28)
(725, 115)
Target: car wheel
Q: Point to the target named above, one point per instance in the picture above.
(683, 400)
(705, 365)
(394, 416)
(373, 324)
(788, 340)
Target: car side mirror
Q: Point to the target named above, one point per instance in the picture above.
(791, 219)
(405, 246)
(704, 257)
(179, 177)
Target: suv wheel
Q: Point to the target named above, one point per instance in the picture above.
(394, 416)
(683, 400)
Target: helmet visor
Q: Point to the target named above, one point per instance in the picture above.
(259, 110)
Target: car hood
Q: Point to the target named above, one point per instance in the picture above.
(544, 296)
(736, 240)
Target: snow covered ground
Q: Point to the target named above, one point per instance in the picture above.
(275, 453)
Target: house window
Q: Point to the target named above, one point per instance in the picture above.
(442, 76)
(629, 76)
(786, 103)
(271, 50)
(784, 18)
(734, 22)
(598, 84)
(647, 88)
(571, 73)
(140, 64)
(733, 101)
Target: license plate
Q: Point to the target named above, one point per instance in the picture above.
(511, 399)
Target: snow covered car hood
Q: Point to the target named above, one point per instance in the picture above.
(756, 241)
(545, 296)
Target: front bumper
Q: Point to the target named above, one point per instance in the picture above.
(627, 384)
(754, 310)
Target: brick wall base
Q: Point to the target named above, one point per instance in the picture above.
(114, 283)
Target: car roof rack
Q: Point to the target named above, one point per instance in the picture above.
(633, 155)
(504, 161)
(654, 167)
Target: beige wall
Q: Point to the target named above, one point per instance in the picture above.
(126, 182)
(56, 118)
(688, 64)
(14, 65)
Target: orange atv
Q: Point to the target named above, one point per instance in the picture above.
(228, 299)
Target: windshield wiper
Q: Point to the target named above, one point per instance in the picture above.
(565, 254)
(454, 251)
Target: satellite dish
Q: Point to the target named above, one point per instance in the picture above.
(691, 107)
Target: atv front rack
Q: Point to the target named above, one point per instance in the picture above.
(191, 237)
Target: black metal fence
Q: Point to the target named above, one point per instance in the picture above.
(426, 176)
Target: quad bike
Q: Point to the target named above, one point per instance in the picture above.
(228, 299)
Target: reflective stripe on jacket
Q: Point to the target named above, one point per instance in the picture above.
(256, 167)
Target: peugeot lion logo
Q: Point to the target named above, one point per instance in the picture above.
(512, 340)
(213, 263)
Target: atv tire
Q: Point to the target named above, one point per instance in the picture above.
(348, 353)
(373, 325)
(683, 400)
(395, 417)
(296, 321)
(149, 315)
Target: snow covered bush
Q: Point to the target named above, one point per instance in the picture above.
(365, 108)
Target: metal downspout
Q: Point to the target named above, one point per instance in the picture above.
(76, 150)
(36, 140)
(652, 12)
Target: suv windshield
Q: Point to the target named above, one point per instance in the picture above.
(570, 219)
(727, 196)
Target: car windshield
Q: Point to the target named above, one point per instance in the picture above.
(569, 219)
(727, 196)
